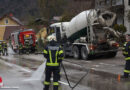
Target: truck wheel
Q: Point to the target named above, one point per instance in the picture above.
(65, 55)
(84, 53)
(76, 53)
(111, 54)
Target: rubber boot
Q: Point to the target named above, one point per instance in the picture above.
(126, 75)
(55, 87)
(46, 87)
(6, 54)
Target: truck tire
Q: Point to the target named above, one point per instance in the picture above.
(76, 52)
(65, 55)
(111, 54)
(84, 53)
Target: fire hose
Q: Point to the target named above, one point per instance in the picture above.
(72, 87)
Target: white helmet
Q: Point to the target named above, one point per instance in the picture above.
(51, 37)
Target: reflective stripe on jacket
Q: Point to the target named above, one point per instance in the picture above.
(126, 50)
(127, 71)
(0, 47)
(54, 55)
(125, 53)
(5, 45)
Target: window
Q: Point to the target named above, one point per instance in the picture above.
(6, 21)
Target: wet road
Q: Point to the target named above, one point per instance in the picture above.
(18, 74)
(23, 72)
(23, 78)
(103, 74)
(27, 75)
(18, 78)
(112, 65)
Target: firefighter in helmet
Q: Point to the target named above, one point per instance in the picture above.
(1, 49)
(126, 53)
(54, 55)
(5, 48)
(36, 48)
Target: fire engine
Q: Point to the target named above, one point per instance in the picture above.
(23, 41)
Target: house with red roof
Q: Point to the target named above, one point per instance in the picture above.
(8, 24)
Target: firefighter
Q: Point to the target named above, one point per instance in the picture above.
(20, 48)
(54, 55)
(5, 49)
(126, 53)
(1, 49)
(36, 48)
(27, 46)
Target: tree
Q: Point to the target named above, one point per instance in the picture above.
(33, 24)
(116, 27)
(40, 44)
(50, 8)
(122, 29)
(66, 17)
(37, 24)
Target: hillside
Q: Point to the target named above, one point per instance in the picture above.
(22, 9)
(25, 10)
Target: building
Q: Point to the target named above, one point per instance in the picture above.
(126, 10)
(120, 7)
(116, 6)
(8, 24)
(42, 33)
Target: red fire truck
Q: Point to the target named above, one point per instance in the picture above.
(23, 41)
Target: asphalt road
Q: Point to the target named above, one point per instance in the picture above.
(113, 65)
(103, 75)
(18, 78)
(104, 72)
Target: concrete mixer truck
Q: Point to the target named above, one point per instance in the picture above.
(88, 34)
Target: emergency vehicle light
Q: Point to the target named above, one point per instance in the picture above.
(92, 47)
(115, 44)
(27, 35)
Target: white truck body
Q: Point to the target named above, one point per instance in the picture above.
(85, 31)
(80, 21)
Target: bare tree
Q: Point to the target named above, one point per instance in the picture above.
(50, 8)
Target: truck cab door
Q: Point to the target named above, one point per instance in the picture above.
(58, 34)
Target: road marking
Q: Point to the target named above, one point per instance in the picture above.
(15, 66)
(96, 65)
(37, 75)
(93, 68)
(63, 83)
(88, 61)
(9, 88)
(107, 64)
